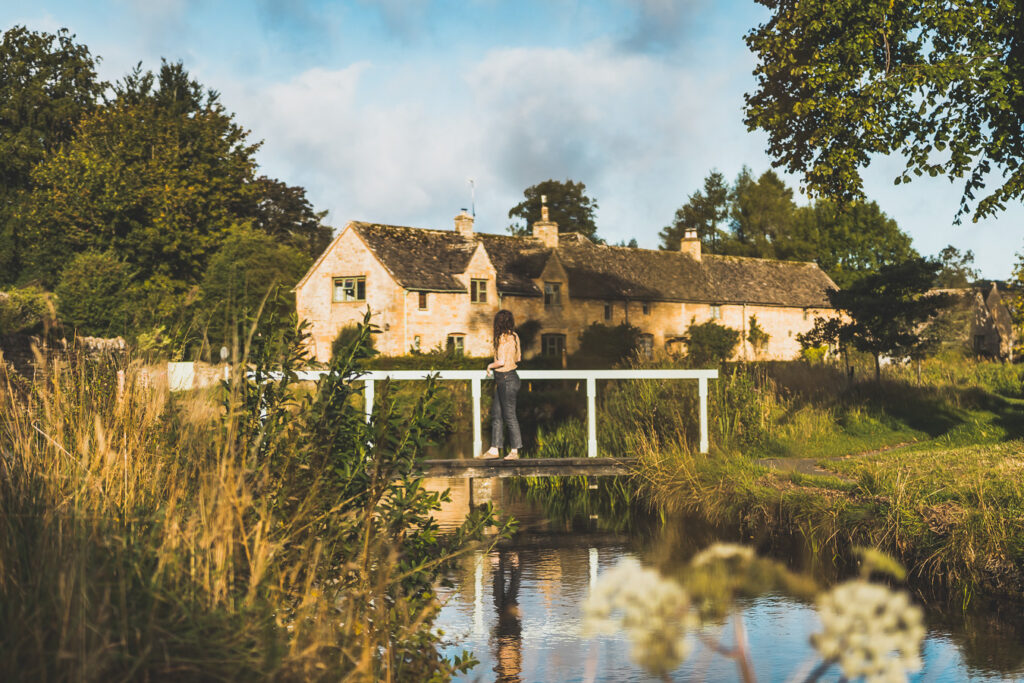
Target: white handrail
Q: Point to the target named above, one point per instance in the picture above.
(475, 377)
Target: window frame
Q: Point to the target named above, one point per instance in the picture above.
(554, 296)
(716, 311)
(646, 308)
(456, 342)
(552, 337)
(607, 310)
(422, 304)
(478, 290)
(358, 282)
(417, 342)
(645, 345)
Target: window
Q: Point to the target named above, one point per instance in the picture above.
(716, 312)
(647, 308)
(351, 288)
(552, 344)
(456, 343)
(416, 341)
(552, 293)
(423, 301)
(478, 291)
(806, 313)
(645, 345)
(607, 311)
(979, 343)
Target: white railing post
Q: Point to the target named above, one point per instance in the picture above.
(478, 444)
(702, 384)
(591, 417)
(368, 398)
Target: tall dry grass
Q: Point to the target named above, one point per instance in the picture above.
(255, 532)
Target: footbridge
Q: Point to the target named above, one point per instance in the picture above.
(591, 465)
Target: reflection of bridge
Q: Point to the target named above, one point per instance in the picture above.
(475, 377)
(531, 467)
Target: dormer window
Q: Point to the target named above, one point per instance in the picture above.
(478, 291)
(350, 288)
(552, 293)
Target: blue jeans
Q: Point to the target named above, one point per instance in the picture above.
(503, 410)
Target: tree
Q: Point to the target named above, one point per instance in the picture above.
(705, 211)
(568, 205)
(941, 84)
(159, 177)
(250, 270)
(284, 212)
(91, 295)
(762, 214)
(884, 313)
(710, 343)
(956, 271)
(756, 336)
(47, 83)
(847, 241)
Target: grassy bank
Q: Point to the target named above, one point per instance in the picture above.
(257, 532)
(929, 471)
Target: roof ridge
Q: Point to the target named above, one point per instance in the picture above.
(762, 258)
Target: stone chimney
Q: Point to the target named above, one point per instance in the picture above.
(690, 244)
(546, 230)
(464, 224)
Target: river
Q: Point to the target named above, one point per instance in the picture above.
(518, 607)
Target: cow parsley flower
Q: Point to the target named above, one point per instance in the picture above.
(870, 631)
(652, 611)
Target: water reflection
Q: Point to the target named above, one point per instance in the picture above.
(517, 608)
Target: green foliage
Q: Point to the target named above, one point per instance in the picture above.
(349, 342)
(47, 83)
(156, 176)
(250, 272)
(759, 218)
(25, 310)
(92, 294)
(568, 205)
(941, 85)
(283, 212)
(706, 212)
(957, 268)
(756, 335)
(603, 346)
(250, 534)
(886, 312)
(709, 343)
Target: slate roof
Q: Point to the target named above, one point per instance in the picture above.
(422, 259)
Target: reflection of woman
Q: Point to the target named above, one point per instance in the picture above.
(507, 355)
(509, 629)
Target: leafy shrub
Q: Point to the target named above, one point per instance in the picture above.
(92, 294)
(756, 335)
(710, 343)
(25, 310)
(605, 346)
(349, 340)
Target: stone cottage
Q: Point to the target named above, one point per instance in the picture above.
(980, 321)
(429, 288)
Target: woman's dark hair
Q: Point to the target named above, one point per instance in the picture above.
(504, 323)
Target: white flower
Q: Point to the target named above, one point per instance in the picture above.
(870, 630)
(652, 611)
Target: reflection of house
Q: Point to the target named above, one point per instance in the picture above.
(430, 288)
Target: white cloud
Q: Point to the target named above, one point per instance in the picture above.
(398, 143)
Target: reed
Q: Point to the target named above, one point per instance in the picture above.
(260, 531)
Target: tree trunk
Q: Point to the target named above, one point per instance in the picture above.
(878, 368)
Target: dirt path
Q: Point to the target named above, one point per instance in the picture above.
(811, 466)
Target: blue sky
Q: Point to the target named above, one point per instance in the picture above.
(383, 109)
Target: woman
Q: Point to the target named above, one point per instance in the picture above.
(507, 354)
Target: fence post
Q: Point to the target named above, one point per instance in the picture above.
(703, 388)
(368, 398)
(591, 417)
(478, 444)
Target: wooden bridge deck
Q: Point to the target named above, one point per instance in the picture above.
(527, 467)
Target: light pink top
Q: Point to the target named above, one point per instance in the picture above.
(508, 352)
